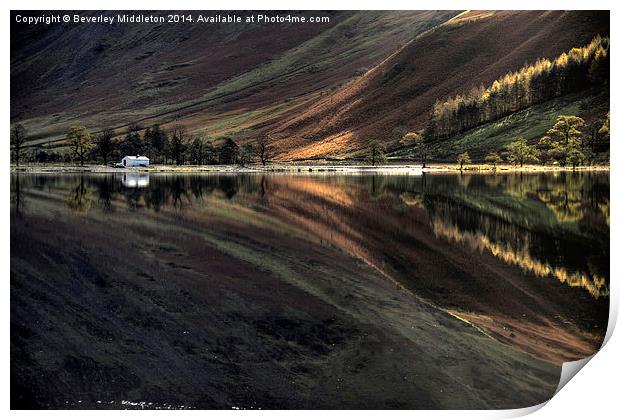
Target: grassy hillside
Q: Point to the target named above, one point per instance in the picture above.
(531, 123)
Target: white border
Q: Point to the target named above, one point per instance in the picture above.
(593, 395)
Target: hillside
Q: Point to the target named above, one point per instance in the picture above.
(531, 123)
(322, 90)
(396, 96)
(112, 76)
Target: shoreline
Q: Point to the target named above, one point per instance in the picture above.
(395, 169)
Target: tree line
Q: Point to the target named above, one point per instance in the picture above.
(173, 146)
(570, 142)
(572, 71)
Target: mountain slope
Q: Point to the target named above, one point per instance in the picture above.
(396, 96)
(317, 90)
(112, 76)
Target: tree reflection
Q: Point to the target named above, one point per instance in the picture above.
(106, 188)
(552, 224)
(80, 198)
(549, 224)
(17, 200)
(178, 192)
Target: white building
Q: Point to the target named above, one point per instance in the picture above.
(135, 161)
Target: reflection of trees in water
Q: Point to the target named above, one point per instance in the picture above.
(80, 198)
(179, 195)
(17, 200)
(464, 180)
(551, 224)
(105, 190)
(377, 186)
(106, 187)
(604, 209)
(570, 196)
(178, 192)
(509, 253)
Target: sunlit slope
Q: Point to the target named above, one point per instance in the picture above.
(213, 80)
(530, 123)
(396, 96)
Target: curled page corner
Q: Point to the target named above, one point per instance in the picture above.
(519, 412)
(570, 369)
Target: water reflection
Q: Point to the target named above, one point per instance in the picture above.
(17, 201)
(80, 199)
(549, 224)
(135, 180)
(426, 233)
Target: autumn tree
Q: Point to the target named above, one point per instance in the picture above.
(463, 159)
(80, 141)
(564, 139)
(572, 71)
(604, 130)
(105, 144)
(211, 153)
(566, 128)
(575, 156)
(602, 134)
(375, 153)
(519, 152)
(599, 69)
(196, 151)
(595, 138)
(18, 137)
(494, 159)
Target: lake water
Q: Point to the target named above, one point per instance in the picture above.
(304, 291)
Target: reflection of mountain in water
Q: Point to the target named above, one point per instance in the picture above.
(546, 225)
(550, 225)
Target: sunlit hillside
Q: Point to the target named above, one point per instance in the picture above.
(229, 79)
(316, 91)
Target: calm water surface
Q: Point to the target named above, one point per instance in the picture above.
(300, 291)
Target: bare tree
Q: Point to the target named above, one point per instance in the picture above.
(178, 144)
(18, 137)
(263, 151)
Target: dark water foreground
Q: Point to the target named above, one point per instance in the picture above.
(252, 291)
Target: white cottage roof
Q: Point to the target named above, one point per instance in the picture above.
(136, 157)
